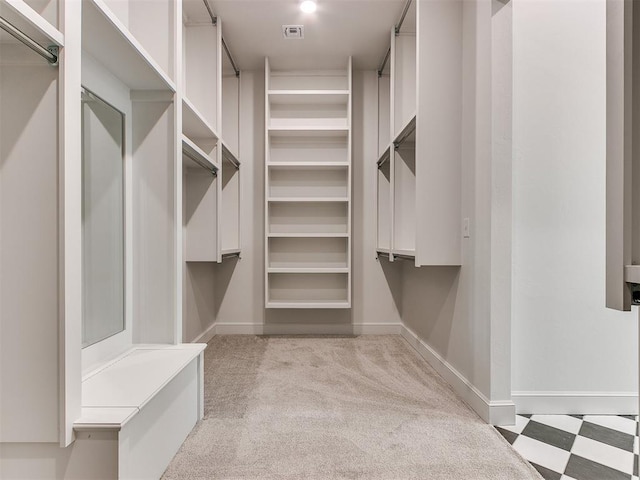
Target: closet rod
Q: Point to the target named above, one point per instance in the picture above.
(213, 170)
(49, 54)
(233, 63)
(384, 62)
(214, 20)
(397, 29)
(404, 14)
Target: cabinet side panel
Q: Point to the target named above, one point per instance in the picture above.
(618, 153)
(29, 249)
(438, 133)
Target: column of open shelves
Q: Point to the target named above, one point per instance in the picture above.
(308, 189)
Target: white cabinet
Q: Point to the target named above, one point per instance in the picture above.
(420, 131)
(160, 64)
(308, 188)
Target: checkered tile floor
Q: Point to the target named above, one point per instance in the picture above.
(577, 447)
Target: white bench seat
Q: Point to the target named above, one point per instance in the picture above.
(146, 402)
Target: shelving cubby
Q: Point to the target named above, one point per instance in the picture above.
(126, 56)
(201, 70)
(230, 208)
(308, 188)
(150, 23)
(200, 203)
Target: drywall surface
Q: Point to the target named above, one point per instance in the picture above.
(460, 317)
(569, 351)
(240, 283)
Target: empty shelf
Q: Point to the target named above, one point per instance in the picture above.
(407, 134)
(308, 132)
(318, 270)
(309, 304)
(307, 97)
(308, 235)
(106, 38)
(196, 155)
(308, 165)
(194, 125)
(308, 199)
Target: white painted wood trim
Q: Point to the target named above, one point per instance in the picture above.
(577, 403)
(206, 336)
(500, 412)
(70, 221)
(32, 17)
(311, 329)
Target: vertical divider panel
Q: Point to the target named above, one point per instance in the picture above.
(267, 160)
(154, 168)
(178, 52)
(392, 154)
(438, 133)
(350, 179)
(70, 158)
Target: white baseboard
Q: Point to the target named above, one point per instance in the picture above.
(205, 336)
(495, 413)
(311, 329)
(577, 403)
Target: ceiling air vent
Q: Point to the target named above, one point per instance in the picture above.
(293, 32)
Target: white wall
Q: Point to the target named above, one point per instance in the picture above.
(458, 318)
(240, 283)
(569, 352)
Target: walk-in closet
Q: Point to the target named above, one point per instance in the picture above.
(291, 239)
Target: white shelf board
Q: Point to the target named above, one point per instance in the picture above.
(407, 133)
(107, 39)
(309, 304)
(196, 155)
(308, 235)
(318, 270)
(384, 251)
(135, 377)
(306, 97)
(403, 252)
(101, 418)
(28, 21)
(385, 157)
(309, 132)
(194, 125)
(314, 165)
(229, 156)
(632, 273)
(231, 251)
(309, 199)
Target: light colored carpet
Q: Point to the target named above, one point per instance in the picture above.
(335, 408)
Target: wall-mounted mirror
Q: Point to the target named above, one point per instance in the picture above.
(103, 261)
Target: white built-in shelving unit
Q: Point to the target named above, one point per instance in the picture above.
(419, 132)
(308, 188)
(160, 64)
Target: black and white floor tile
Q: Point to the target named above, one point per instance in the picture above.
(577, 447)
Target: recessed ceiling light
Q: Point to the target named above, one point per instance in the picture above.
(308, 6)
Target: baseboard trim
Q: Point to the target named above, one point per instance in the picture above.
(494, 413)
(206, 336)
(577, 403)
(311, 329)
